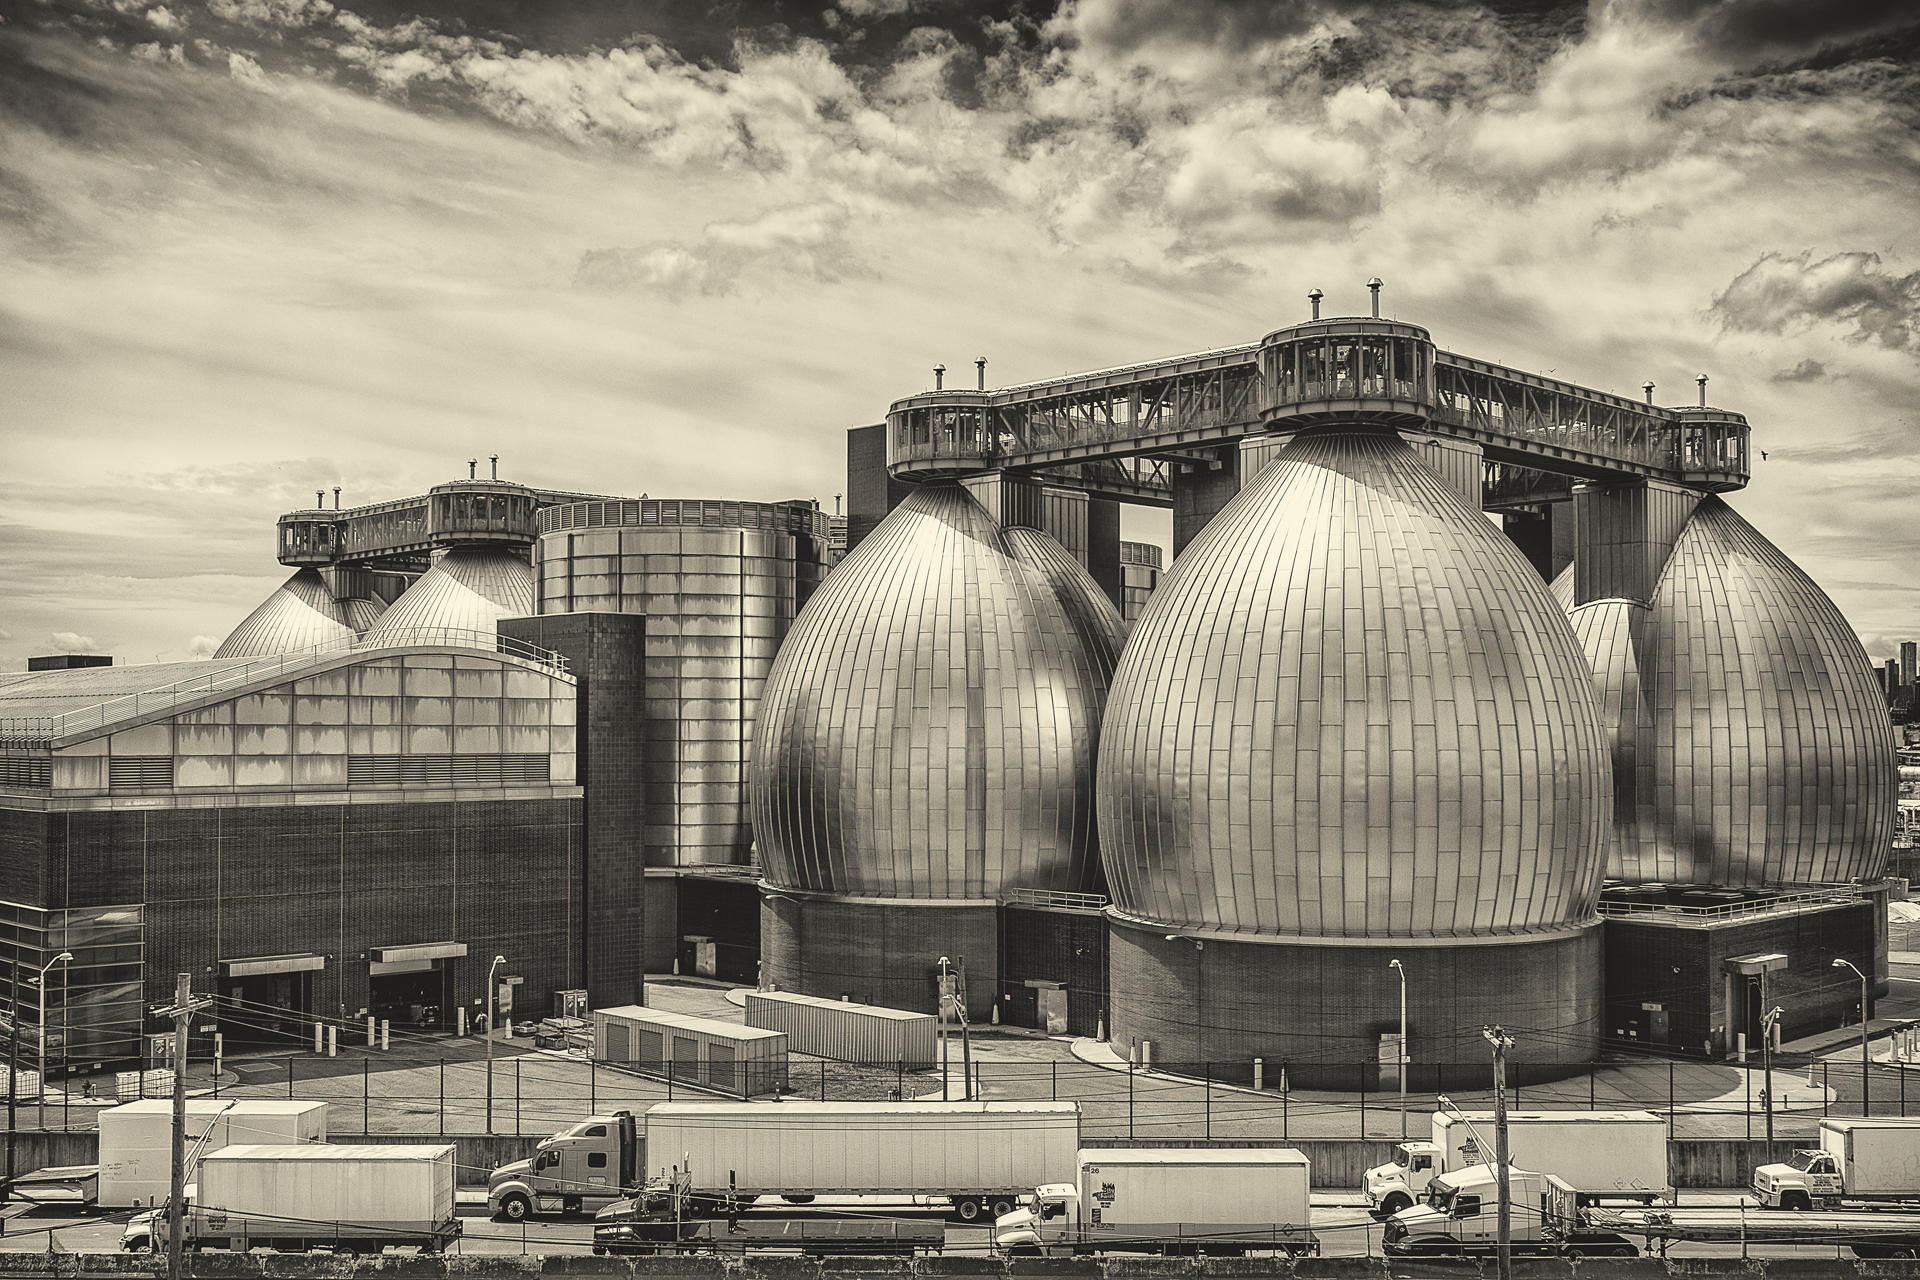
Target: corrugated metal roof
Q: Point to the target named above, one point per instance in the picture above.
(55, 693)
(1191, 1155)
(469, 589)
(362, 614)
(688, 1022)
(302, 613)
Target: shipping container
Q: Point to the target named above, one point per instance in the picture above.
(307, 1191)
(983, 1155)
(845, 1031)
(136, 1139)
(725, 1057)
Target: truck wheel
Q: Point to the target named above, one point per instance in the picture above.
(1394, 1203)
(1796, 1201)
(136, 1244)
(801, 1199)
(1002, 1207)
(968, 1209)
(515, 1207)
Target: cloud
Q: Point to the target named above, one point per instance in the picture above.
(72, 642)
(1808, 370)
(866, 10)
(201, 646)
(1779, 292)
(803, 241)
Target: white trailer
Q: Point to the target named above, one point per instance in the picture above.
(1173, 1200)
(136, 1139)
(1620, 1153)
(1857, 1161)
(982, 1156)
(347, 1198)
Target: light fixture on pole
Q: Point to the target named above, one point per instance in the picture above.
(491, 970)
(1866, 1060)
(1401, 1050)
(62, 958)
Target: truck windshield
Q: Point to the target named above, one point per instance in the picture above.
(1439, 1197)
(1403, 1157)
(1804, 1160)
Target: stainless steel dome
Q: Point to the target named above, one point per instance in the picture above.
(1751, 744)
(1353, 710)
(468, 589)
(928, 729)
(300, 614)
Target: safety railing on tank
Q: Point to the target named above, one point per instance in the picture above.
(1795, 900)
(147, 701)
(1054, 898)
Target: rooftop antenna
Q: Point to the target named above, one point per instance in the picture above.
(1314, 296)
(980, 363)
(939, 376)
(473, 468)
(1702, 380)
(320, 499)
(494, 458)
(1648, 388)
(1373, 287)
(336, 497)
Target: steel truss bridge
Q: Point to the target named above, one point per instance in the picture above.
(1119, 433)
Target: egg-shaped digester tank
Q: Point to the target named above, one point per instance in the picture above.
(924, 745)
(300, 614)
(1352, 726)
(1751, 744)
(468, 590)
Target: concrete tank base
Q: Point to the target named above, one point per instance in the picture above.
(1320, 1008)
(882, 951)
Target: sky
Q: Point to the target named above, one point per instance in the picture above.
(252, 248)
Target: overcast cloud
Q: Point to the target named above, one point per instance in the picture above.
(258, 247)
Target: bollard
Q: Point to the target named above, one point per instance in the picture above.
(1740, 1048)
(219, 1054)
(319, 1038)
(460, 1021)
(1100, 1030)
(371, 1041)
(384, 1042)
(1259, 1073)
(333, 1042)
(1146, 1053)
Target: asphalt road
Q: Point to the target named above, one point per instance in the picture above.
(1344, 1228)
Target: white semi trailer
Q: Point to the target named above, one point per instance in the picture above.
(1610, 1151)
(980, 1156)
(351, 1199)
(1190, 1201)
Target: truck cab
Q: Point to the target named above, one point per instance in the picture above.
(577, 1170)
(1461, 1215)
(1805, 1180)
(1393, 1187)
(1047, 1229)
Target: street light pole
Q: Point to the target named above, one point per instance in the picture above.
(491, 970)
(1866, 1060)
(1402, 1051)
(1768, 1022)
(59, 959)
(1501, 1042)
(940, 1004)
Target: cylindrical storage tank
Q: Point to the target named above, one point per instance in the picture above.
(726, 1057)
(845, 1031)
(719, 583)
(1353, 727)
(1751, 743)
(926, 744)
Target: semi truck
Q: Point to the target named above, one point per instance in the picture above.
(1189, 1201)
(351, 1199)
(1622, 1151)
(977, 1158)
(1857, 1162)
(1460, 1217)
(1868, 1234)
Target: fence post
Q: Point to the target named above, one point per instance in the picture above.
(900, 1080)
(823, 1079)
(1363, 1100)
(1670, 1093)
(516, 1097)
(443, 1097)
(366, 1095)
(1056, 1086)
(593, 1088)
(1593, 1069)
(1129, 1104)
(290, 1061)
(1826, 1095)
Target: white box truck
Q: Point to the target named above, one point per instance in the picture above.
(980, 1156)
(351, 1199)
(1461, 1214)
(1609, 1151)
(136, 1139)
(1857, 1161)
(1172, 1200)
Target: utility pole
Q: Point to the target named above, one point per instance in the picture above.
(1501, 1042)
(1767, 1024)
(966, 1040)
(940, 1003)
(184, 1007)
